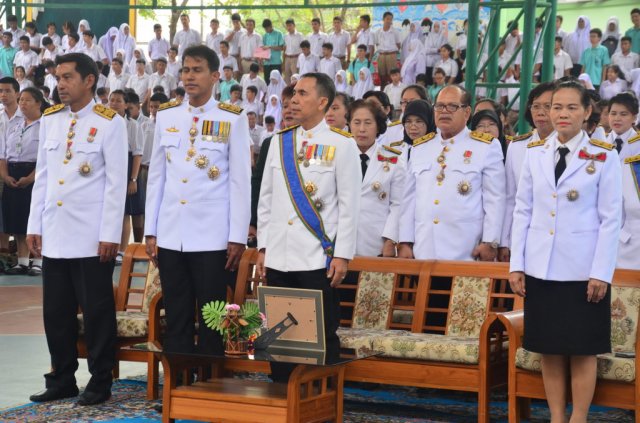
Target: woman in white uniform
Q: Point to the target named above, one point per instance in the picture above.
(563, 253)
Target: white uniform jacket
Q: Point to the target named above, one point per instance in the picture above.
(629, 249)
(567, 232)
(447, 219)
(78, 202)
(203, 203)
(289, 244)
(381, 195)
(630, 142)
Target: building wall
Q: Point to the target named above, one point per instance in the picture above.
(99, 19)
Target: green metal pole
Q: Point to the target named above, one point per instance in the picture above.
(526, 70)
(471, 67)
(494, 38)
(549, 44)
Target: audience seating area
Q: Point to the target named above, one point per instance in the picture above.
(438, 324)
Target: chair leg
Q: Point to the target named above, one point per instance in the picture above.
(483, 405)
(514, 409)
(153, 378)
(525, 408)
(116, 370)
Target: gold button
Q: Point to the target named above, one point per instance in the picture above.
(436, 221)
(183, 201)
(184, 180)
(59, 203)
(61, 181)
(65, 161)
(551, 232)
(554, 195)
(439, 183)
(290, 222)
(553, 214)
(436, 202)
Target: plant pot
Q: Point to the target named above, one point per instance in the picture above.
(235, 347)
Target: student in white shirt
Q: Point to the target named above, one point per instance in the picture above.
(163, 78)
(50, 79)
(12, 21)
(255, 131)
(186, 37)
(340, 39)
(117, 78)
(317, 38)
(49, 50)
(364, 36)
(26, 57)
(292, 51)
(158, 45)
(51, 33)
(173, 64)
(614, 84)
(388, 44)
(394, 90)
(561, 60)
(73, 43)
(34, 37)
(140, 82)
(307, 61)
(252, 78)
(625, 58)
(19, 73)
(214, 37)
(232, 36)
(447, 64)
(93, 50)
(251, 102)
(125, 41)
(249, 41)
(138, 54)
(329, 64)
(227, 59)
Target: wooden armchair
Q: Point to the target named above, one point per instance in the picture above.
(617, 384)
(138, 308)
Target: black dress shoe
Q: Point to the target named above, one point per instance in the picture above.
(52, 394)
(93, 398)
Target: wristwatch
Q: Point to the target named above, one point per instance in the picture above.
(493, 244)
(133, 180)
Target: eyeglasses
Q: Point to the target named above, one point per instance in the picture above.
(485, 126)
(540, 107)
(451, 108)
(417, 123)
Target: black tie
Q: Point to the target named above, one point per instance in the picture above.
(562, 163)
(618, 142)
(363, 163)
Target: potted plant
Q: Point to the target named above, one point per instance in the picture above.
(237, 324)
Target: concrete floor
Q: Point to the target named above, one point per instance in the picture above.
(24, 356)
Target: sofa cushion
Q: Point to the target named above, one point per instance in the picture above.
(468, 306)
(361, 339)
(625, 305)
(131, 324)
(610, 367)
(151, 286)
(433, 347)
(373, 300)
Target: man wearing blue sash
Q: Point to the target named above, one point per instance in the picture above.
(309, 201)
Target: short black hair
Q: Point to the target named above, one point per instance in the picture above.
(74, 35)
(124, 95)
(224, 42)
(337, 18)
(48, 64)
(316, 20)
(158, 89)
(11, 81)
(8, 34)
(214, 20)
(440, 71)
(574, 84)
(290, 21)
(559, 38)
(394, 71)
(203, 52)
(30, 24)
(378, 114)
(85, 66)
(626, 99)
(287, 92)
(266, 23)
(236, 17)
(161, 97)
(536, 92)
(253, 89)
(366, 18)
(625, 38)
(115, 59)
(362, 47)
(142, 61)
(448, 48)
(12, 18)
(173, 48)
(254, 67)
(596, 31)
(269, 119)
(419, 89)
(46, 41)
(305, 44)
(382, 98)
(560, 17)
(328, 46)
(225, 67)
(235, 87)
(24, 38)
(387, 13)
(346, 101)
(510, 23)
(180, 91)
(133, 97)
(157, 26)
(422, 77)
(634, 10)
(324, 86)
(101, 91)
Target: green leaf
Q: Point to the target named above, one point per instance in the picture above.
(213, 313)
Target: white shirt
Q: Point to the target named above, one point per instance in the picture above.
(450, 67)
(26, 59)
(187, 38)
(511, 43)
(102, 81)
(609, 89)
(627, 63)
(15, 41)
(140, 84)
(173, 68)
(234, 43)
(316, 41)
(257, 82)
(158, 48)
(394, 92)
(307, 64)
(51, 82)
(95, 52)
(630, 142)
(330, 66)
(432, 44)
(561, 61)
(147, 126)
(35, 40)
(572, 144)
(254, 106)
(292, 43)
(50, 55)
(248, 43)
(340, 43)
(213, 41)
(167, 81)
(630, 231)
(366, 37)
(118, 82)
(55, 38)
(228, 61)
(257, 135)
(388, 41)
(20, 143)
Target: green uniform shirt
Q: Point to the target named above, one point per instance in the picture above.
(273, 38)
(225, 89)
(634, 34)
(6, 60)
(593, 59)
(356, 65)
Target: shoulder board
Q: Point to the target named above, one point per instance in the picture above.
(105, 112)
(424, 139)
(230, 108)
(522, 137)
(391, 150)
(601, 144)
(631, 140)
(396, 143)
(397, 122)
(536, 143)
(54, 109)
(632, 159)
(479, 136)
(287, 129)
(169, 104)
(341, 132)
(509, 138)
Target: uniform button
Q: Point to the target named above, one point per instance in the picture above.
(185, 180)
(65, 161)
(61, 181)
(554, 195)
(436, 202)
(553, 214)
(439, 183)
(59, 203)
(436, 221)
(551, 232)
(290, 222)
(183, 201)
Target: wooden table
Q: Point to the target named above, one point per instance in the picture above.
(313, 393)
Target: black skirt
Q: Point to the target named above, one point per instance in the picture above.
(16, 202)
(559, 320)
(134, 205)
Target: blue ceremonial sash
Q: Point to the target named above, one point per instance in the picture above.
(301, 201)
(635, 171)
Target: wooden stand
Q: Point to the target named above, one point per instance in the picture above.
(313, 394)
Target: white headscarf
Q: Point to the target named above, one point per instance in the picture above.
(341, 87)
(416, 53)
(125, 42)
(414, 33)
(81, 45)
(579, 39)
(132, 63)
(615, 33)
(587, 81)
(275, 111)
(277, 87)
(295, 78)
(107, 43)
(363, 85)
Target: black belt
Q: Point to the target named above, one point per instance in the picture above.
(21, 165)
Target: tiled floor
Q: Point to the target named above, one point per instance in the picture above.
(24, 356)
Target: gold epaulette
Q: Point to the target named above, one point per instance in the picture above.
(169, 104)
(509, 138)
(105, 112)
(287, 129)
(397, 122)
(341, 132)
(601, 144)
(230, 108)
(53, 109)
(631, 140)
(424, 139)
(480, 136)
(396, 143)
(522, 137)
(392, 150)
(536, 143)
(632, 159)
